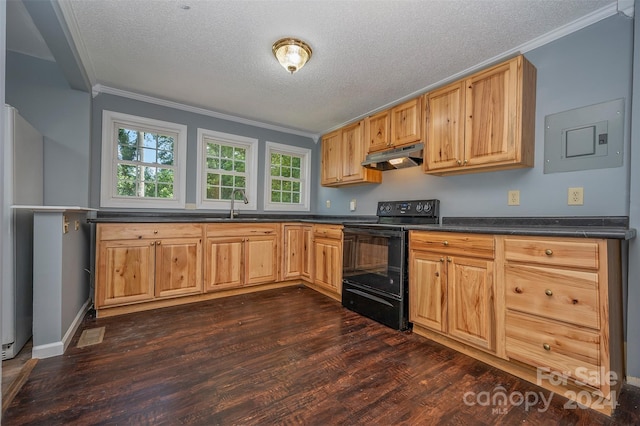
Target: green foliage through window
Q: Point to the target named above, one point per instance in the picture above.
(226, 166)
(286, 178)
(145, 164)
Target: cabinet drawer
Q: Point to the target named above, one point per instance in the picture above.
(138, 231)
(328, 231)
(560, 294)
(237, 229)
(560, 252)
(565, 350)
(474, 245)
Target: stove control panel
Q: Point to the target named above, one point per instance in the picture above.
(421, 208)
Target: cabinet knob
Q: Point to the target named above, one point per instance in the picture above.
(518, 290)
(446, 243)
(548, 252)
(465, 161)
(448, 259)
(546, 346)
(155, 232)
(437, 274)
(459, 162)
(153, 243)
(442, 259)
(157, 243)
(548, 292)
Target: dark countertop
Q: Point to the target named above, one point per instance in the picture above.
(611, 227)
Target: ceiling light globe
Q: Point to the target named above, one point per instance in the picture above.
(292, 53)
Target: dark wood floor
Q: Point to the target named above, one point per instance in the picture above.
(286, 356)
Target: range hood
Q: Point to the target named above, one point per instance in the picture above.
(398, 158)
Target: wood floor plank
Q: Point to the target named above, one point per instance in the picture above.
(282, 356)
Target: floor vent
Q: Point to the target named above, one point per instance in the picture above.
(91, 336)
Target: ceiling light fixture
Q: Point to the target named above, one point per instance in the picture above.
(291, 53)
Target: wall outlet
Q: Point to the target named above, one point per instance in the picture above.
(352, 205)
(328, 204)
(513, 198)
(575, 196)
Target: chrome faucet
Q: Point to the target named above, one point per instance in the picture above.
(233, 213)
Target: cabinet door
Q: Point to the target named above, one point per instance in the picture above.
(471, 301)
(491, 121)
(352, 152)
(261, 259)
(125, 272)
(224, 264)
(406, 122)
(293, 252)
(178, 267)
(444, 136)
(328, 263)
(427, 290)
(378, 131)
(331, 158)
(307, 253)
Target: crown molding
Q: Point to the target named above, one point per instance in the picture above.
(99, 88)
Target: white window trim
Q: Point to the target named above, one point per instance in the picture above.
(305, 177)
(108, 174)
(252, 167)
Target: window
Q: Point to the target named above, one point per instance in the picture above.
(226, 163)
(287, 177)
(143, 162)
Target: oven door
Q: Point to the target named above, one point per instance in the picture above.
(374, 259)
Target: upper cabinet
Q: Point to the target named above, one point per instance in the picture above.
(378, 131)
(482, 123)
(406, 122)
(343, 152)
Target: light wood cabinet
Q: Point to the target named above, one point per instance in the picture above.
(452, 286)
(237, 256)
(298, 245)
(562, 304)
(406, 123)
(484, 122)
(343, 152)
(327, 253)
(378, 131)
(144, 262)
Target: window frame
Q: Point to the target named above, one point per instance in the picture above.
(111, 122)
(251, 167)
(305, 177)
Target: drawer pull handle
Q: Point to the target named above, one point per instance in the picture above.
(446, 243)
(518, 290)
(548, 292)
(546, 346)
(548, 252)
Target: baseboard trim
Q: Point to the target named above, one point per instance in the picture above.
(633, 381)
(57, 348)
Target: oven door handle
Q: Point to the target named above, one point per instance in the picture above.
(373, 232)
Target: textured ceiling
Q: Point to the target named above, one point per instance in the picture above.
(216, 54)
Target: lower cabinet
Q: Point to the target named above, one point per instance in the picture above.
(452, 286)
(298, 246)
(563, 311)
(547, 309)
(144, 262)
(237, 256)
(327, 254)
